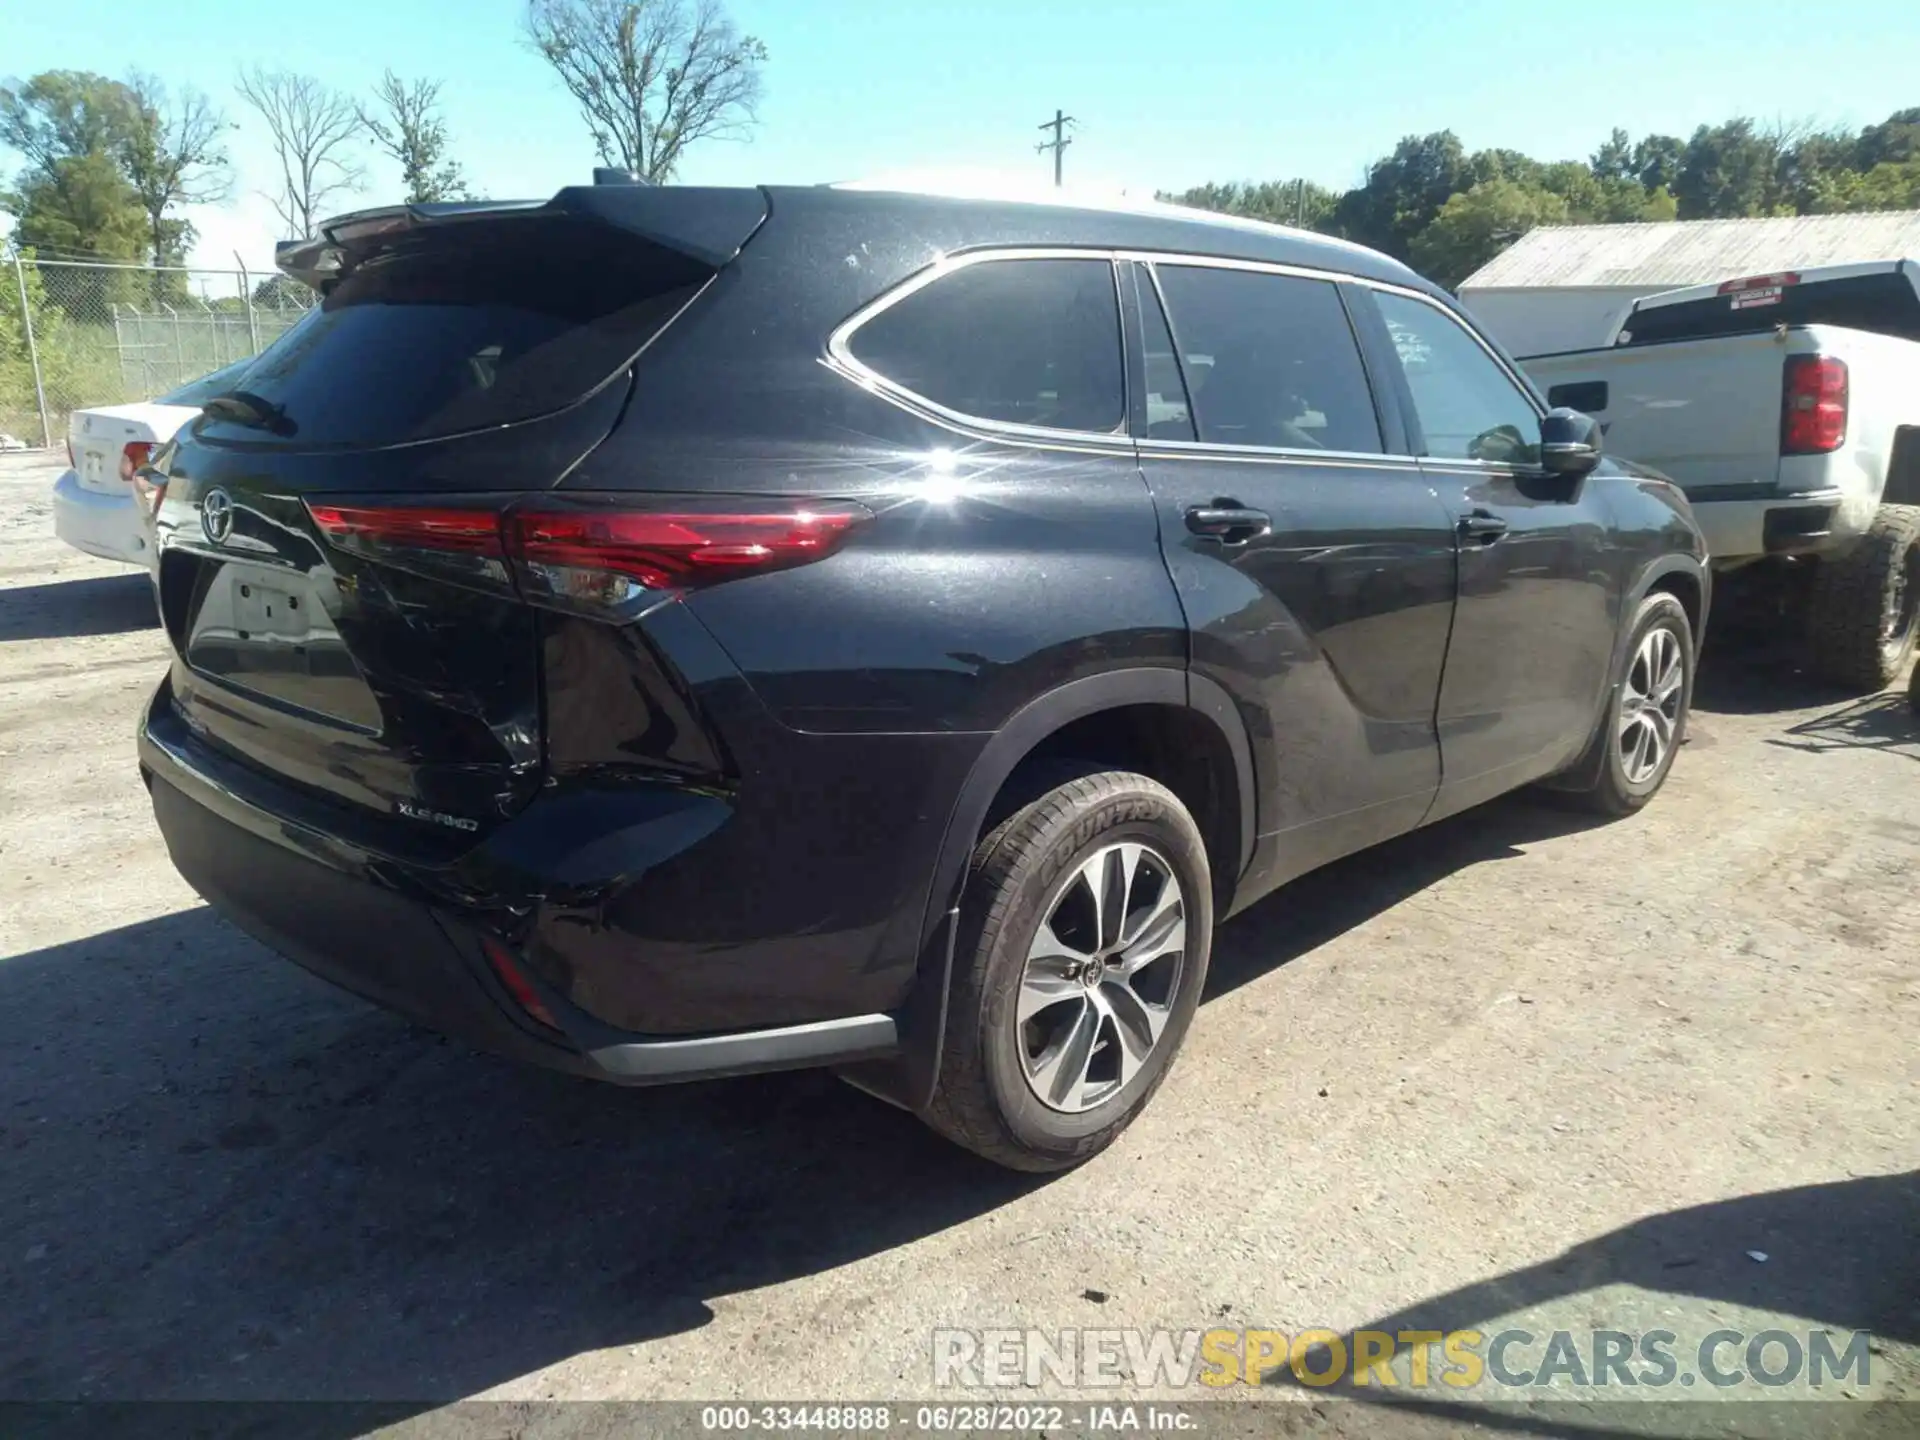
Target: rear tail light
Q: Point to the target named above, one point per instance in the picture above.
(588, 556)
(607, 559)
(135, 454)
(453, 544)
(1813, 407)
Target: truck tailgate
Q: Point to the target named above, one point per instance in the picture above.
(1706, 412)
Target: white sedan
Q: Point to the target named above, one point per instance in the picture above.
(94, 507)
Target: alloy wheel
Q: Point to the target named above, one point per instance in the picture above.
(1650, 705)
(1101, 976)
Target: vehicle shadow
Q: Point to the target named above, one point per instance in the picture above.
(1879, 722)
(1326, 903)
(66, 609)
(1843, 1256)
(224, 1179)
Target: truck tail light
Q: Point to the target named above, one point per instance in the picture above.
(1813, 408)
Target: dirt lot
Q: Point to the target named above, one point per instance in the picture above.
(1516, 1069)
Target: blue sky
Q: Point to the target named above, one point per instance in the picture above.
(1168, 94)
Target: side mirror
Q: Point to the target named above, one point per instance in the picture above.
(1569, 442)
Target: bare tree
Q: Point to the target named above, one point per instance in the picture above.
(173, 155)
(313, 129)
(405, 122)
(651, 76)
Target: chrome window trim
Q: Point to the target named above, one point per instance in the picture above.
(841, 357)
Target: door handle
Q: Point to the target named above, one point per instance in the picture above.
(1228, 522)
(1482, 526)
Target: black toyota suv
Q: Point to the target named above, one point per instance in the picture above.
(670, 632)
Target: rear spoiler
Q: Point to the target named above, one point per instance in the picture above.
(708, 224)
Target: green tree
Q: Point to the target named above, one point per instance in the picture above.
(405, 122)
(1404, 192)
(282, 292)
(1895, 139)
(1657, 160)
(1473, 227)
(1810, 171)
(1614, 160)
(1729, 171)
(62, 368)
(71, 195)
(1484, 165)
(1890, 185)
(1278, 202)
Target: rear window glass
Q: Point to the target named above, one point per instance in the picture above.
(198, 392)
(1025, 342)
(1883, 304)
(463, 328)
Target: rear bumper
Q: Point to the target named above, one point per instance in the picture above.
(388, 929)
(107, 526)
(1776, 525)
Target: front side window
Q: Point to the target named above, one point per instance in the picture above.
(1270, 360)
(1468, 407)
(1021, 342)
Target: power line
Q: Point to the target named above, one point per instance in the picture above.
(1058, 145)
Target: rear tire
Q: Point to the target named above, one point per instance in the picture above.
(1861, 621)
(1647, 709)
(1070, 999)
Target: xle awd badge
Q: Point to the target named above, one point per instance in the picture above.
(216, 516)
(437, 817)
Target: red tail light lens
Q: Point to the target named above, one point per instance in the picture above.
(1813, 411)
(450, 544)
(603, 557)
(135, 454)
(515, 983)
(587, 555)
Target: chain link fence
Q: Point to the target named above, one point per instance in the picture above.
(76, 334)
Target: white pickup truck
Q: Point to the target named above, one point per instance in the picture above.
(1788, 408)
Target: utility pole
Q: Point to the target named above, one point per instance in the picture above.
(1059, 142)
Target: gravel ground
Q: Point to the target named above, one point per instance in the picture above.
(1514, 1070)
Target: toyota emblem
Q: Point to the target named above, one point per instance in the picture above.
(216, 516)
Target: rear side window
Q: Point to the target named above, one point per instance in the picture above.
(462, 328)
(1022, 342)
(1884, 304)
(1270, 360)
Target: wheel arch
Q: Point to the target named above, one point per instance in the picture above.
(1025, 735)
(1690, 582)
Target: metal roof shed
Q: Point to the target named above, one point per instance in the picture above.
(1563, 287)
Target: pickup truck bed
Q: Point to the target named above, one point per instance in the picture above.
(1787, 407)
(1708, 413)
